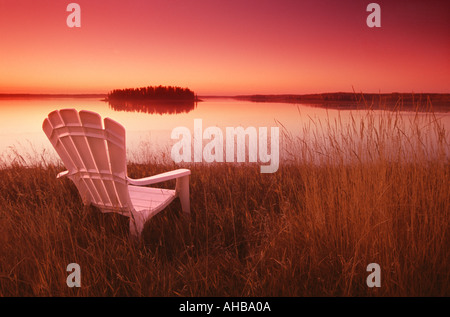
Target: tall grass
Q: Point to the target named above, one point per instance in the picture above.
(374, 188)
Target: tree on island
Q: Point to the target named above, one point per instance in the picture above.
(153, 93)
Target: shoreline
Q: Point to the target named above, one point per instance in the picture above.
(439, 102)
(351, 101)
(49, 96)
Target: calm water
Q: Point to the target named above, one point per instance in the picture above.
(148, 132)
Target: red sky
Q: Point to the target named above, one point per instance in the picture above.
(225, 47)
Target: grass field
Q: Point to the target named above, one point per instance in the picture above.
(377, 193)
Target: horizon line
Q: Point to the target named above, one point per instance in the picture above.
(7, 94)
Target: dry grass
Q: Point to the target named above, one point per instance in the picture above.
(309, 229)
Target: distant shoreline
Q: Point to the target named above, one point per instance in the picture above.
(337, 100)
(25, 96)
(346, 97)
(345, 100)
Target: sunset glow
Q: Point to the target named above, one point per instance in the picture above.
(225, 47)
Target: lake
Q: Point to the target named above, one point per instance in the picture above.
(149, 128)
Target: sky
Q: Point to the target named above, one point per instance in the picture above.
(225, 47)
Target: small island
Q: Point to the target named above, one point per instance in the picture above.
(153, 99)
(160, 93)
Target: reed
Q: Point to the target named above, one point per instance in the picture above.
(352, 192)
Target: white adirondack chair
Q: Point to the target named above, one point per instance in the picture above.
(95, 158)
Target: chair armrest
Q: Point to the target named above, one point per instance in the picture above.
(159, 177)
(62, 174)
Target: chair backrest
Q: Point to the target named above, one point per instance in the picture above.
(95, 156)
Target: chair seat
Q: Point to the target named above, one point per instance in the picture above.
(148, 200)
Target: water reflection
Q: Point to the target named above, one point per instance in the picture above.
(153, 106)
(316, 130)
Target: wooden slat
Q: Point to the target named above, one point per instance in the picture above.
(92, 124)
(115, 141)
(77, 143)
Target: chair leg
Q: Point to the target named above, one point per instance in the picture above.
(136, 225)
(182, 188)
